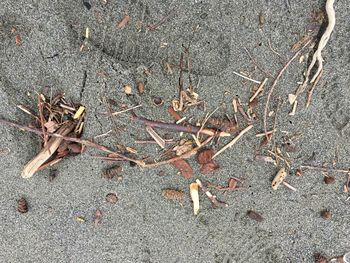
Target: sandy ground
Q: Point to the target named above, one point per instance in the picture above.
(143, 226)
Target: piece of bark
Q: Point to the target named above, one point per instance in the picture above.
(184, 168)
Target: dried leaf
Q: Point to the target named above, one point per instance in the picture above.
(207, 163)
(123, 22)
(255, 216)
(173, 194)
(184, 168)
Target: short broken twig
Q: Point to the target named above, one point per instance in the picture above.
(245, 77)
(324, 169)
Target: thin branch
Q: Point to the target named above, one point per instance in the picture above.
(259, 90)
(230, 144)
(276, 81)
(178, 128)
(245, 77)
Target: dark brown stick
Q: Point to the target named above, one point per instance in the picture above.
(177, 127)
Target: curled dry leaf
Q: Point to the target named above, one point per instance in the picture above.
(207, 163)
(184, 168)
(22, 206)
(173, 194)
(254, 215)
(123, 22)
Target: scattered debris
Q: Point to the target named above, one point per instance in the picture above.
(112, 198)
(299, 172)
(255, 216)
(22, 205)
(215, 202)
(140, 87)
(159, 140)
(195, 197)
(173, 194)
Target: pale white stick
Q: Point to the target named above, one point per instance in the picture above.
(259, 90)
(245, 77)
(233, 141)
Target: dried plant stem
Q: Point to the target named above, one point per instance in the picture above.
(324, 169)
(230, 144)
(276, 81)
(126, 110)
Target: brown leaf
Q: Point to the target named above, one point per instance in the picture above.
(207, 163)
(255, 216)
(98, 217)
(173, 194)
(123, 22)
(174, 114)
(184, 168)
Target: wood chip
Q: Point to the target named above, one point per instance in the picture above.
(184, 168)
(195, 197)
(280, 176)
(123, 22)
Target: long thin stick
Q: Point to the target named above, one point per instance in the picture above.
(178, 128)
(324, 169)
(233, 141)
(311, 91)
(259, 90)
(276, 81)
